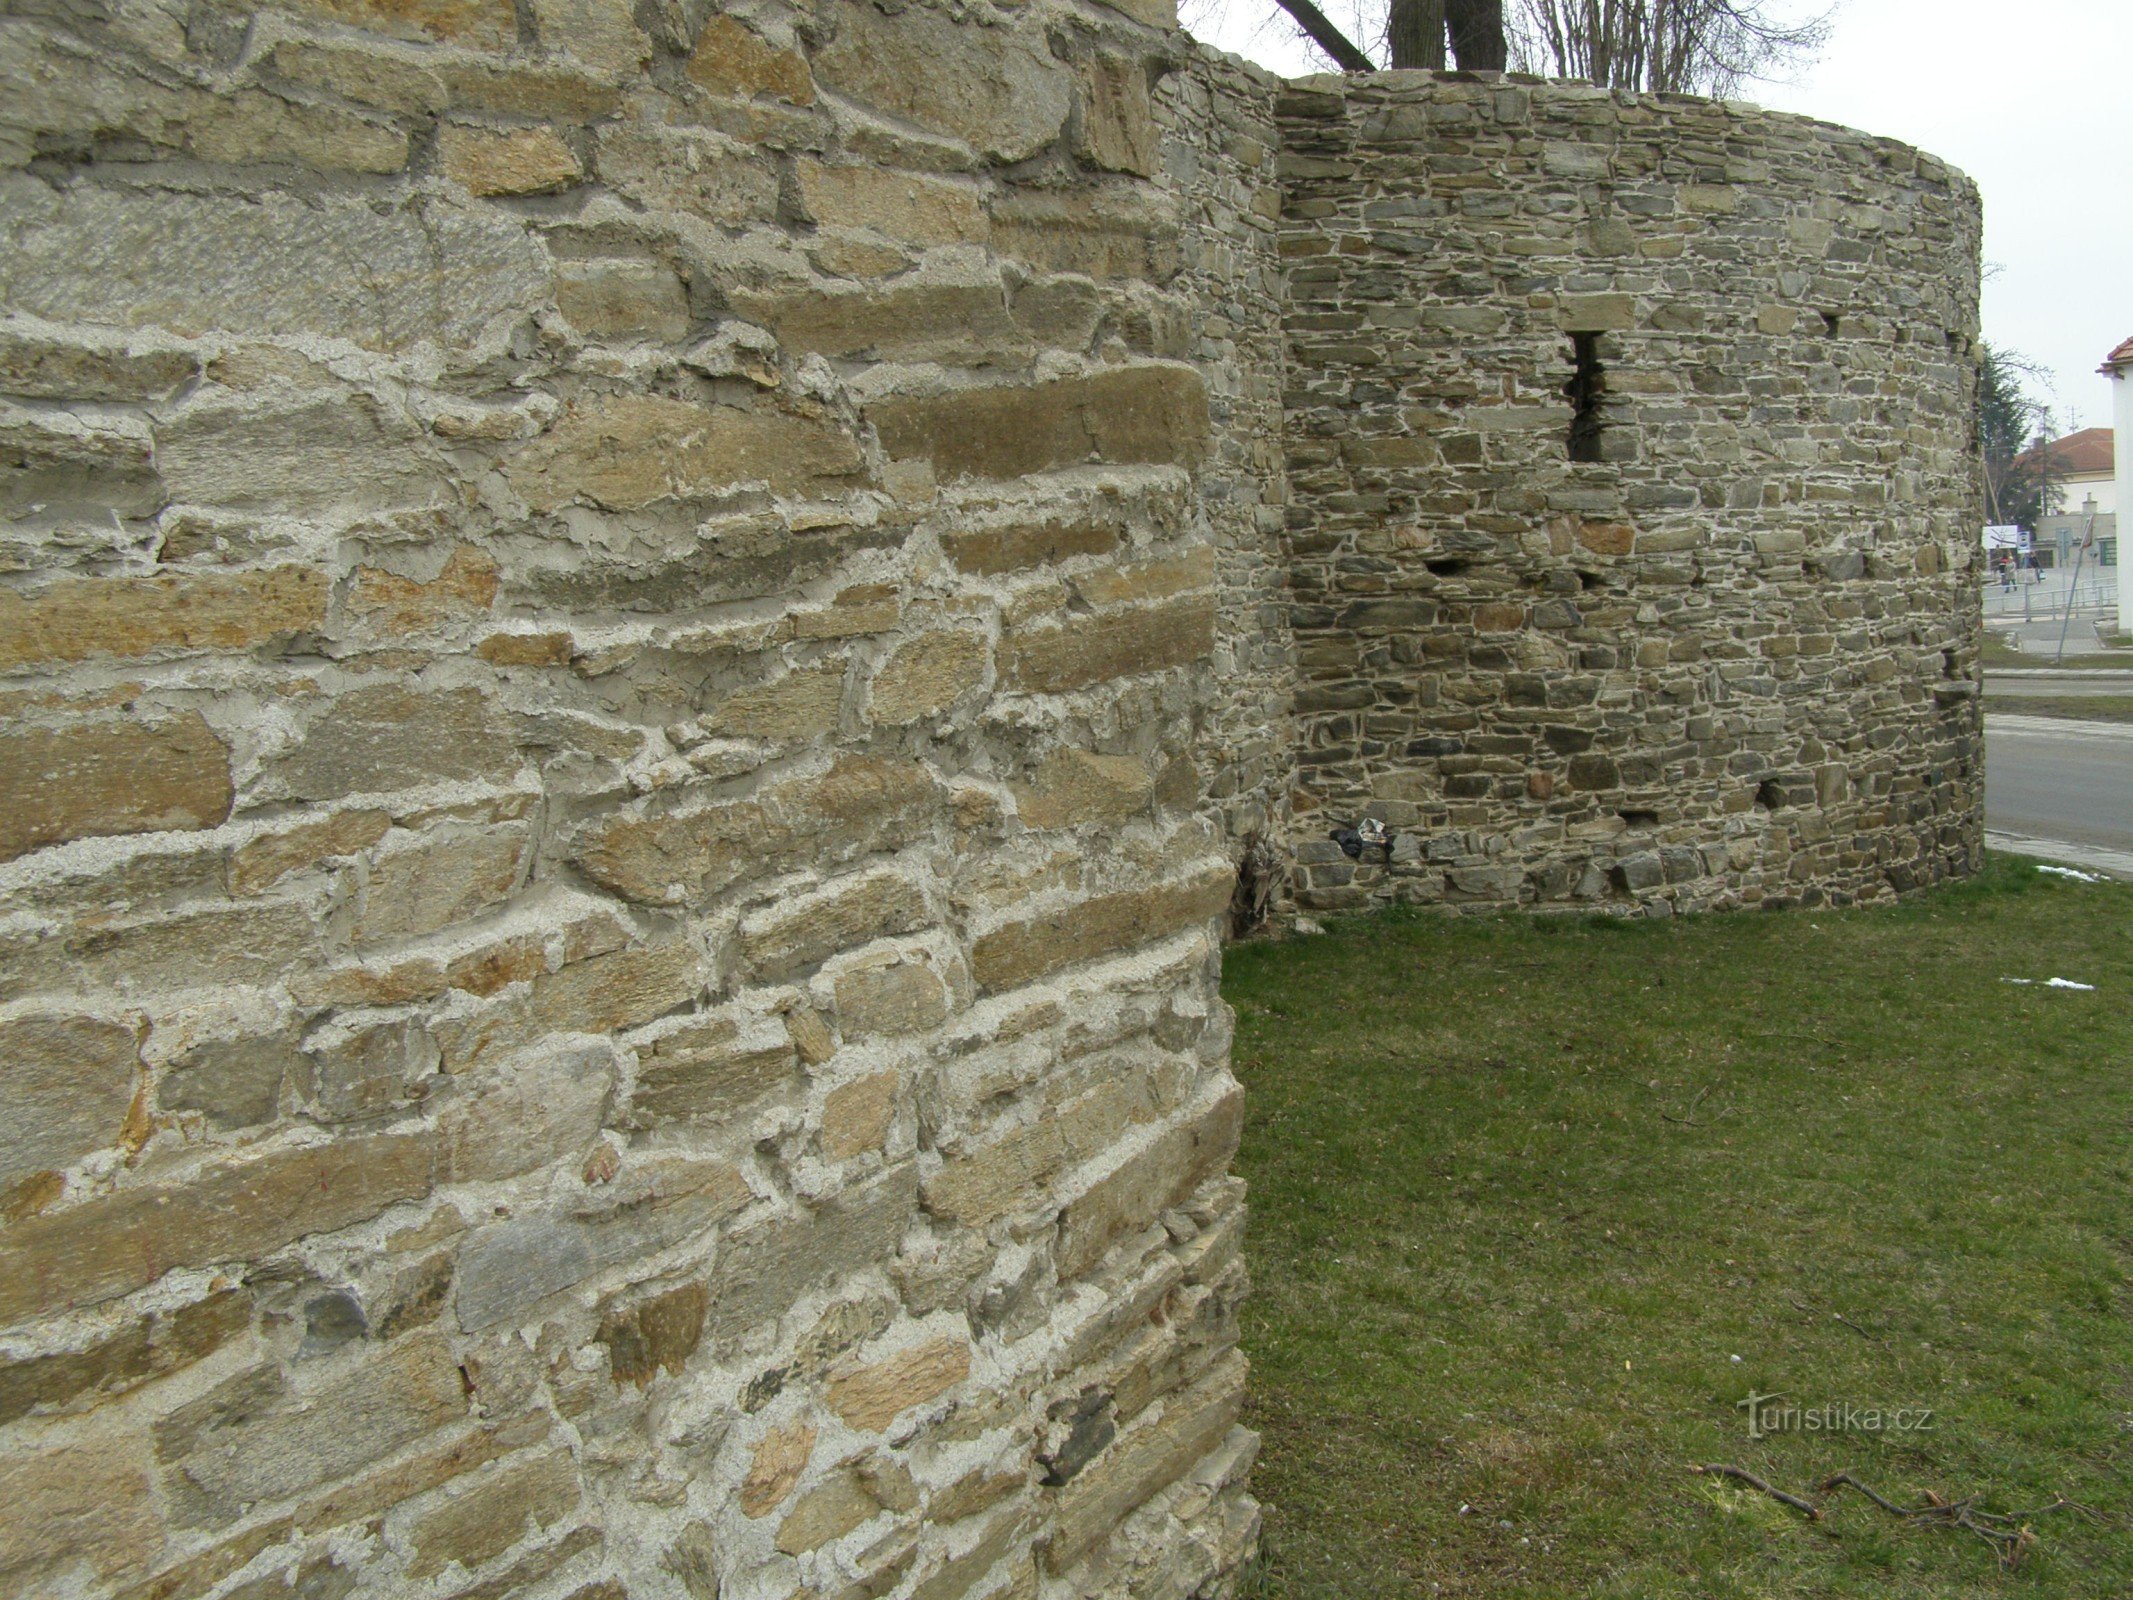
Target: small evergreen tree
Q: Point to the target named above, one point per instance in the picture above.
(2020, 484)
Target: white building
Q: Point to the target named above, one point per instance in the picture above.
(2082, 468)
(2118, 367)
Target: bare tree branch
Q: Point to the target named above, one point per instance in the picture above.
(1327, 37)
(1661, 46)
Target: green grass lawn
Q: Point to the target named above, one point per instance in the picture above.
(2079, 707)
(1536, 1202)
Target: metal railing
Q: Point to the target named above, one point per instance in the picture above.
(2047, 597)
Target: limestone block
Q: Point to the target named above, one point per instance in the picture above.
(135, 957)
(927, 676)
(92, 780)
(668, 858)
(498, 161)
(739, 557)
(99, 467)
(1118, 131)
(1057, 657)
(870, 1395)
(528, 1115)
(781, 1456)
(996, 88)
(191, 262)
(1044, 542)
(64, 92)
(255, 1438)
(509, 1268)
(439, 878)
(89, 364)
(960, 323)
(856, 1117)
(1147, 580)
(617, 990)
(484, 24)
(1148, 1181)
(829, 1511)
(1004, 1175)
(1132, 414)
(708, 1071)
(396, 604)
(731, 60)
(803, 931)
(625, 452)
(356, 1073)
(1076, 786)
(802, 705)
(383, 738)
(113, 1244)
(233, 1083)
(1106, 235)
(1597, 312)
(264, 861)
(601, 33)
(763, 1270)
(1020, 952)
(968, 1574)
(902, 205)
(131, 1354)
(86, 1503)
(337, 454)
(810, 1035)
(701, 174)
(82, 619)
(655, 1334)
(889, 994)
(621, 298)
(1154, 13)
(490, 1514)
(1156, 1451)
(70, 1081)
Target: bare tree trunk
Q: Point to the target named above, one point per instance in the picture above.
(1478, 42)
(1416, 30)
(1327, 37)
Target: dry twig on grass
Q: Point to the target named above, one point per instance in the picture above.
(1688, 1117)
(1806, 1508)
(2008, 1532)
(1835, 1316)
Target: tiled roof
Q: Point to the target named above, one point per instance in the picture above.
(2121, 357)
(2084, 452)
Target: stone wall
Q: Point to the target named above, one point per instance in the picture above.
(608, 967)
(643, 649)
(1730, 657)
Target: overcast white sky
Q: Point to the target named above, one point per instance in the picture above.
(2033, 99)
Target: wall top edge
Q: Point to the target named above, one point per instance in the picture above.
(1390, 86)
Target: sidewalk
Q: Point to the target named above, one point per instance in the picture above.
(2089, 858)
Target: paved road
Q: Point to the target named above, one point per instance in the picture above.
(2052, 779)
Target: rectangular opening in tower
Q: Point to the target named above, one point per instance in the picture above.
(1586, 388)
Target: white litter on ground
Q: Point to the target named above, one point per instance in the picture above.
(2069, 872)
(2054, 983)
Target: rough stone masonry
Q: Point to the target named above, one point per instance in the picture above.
(639, 641)
(1634, 500)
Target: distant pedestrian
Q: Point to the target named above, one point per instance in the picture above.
(2007, 574)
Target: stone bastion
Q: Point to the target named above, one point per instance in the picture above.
(1633, 500)
(645, 650)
